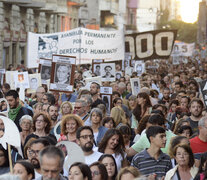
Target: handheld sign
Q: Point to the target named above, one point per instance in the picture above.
(8, 137)
(74, 153)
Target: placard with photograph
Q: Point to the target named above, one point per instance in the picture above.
(63, 69)
(10, 78)
(108, 71)
(118, 75)
(34, 82)
(106, 90)
(107, 98)
(126, 61)
(21, 79)
(132, 62)
(139, 67)
(96, 68)
(135, 85)
(118, 64)
(88, 81)
(45, 69)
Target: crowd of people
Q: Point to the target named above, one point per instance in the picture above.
(160, 133)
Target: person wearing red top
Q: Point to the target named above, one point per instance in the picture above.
(199, 143)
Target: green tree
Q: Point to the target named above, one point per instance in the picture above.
(187, 32)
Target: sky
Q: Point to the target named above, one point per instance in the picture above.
(189, 10)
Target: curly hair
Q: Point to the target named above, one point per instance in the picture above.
(107, 136)
(69, 117)
(66, 102)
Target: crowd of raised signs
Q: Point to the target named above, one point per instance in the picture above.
(159, 133)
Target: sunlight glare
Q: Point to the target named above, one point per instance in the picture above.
(189, 10)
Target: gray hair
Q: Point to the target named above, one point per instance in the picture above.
(26, 117)
(88, 98)
(83, 102)
(122, 85)
(97, 111)
(52, 152)
(9, 177)
(201, 122)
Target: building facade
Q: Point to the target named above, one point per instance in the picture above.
(131, 16)
(103, 14)
(18, 17)
(202, 23)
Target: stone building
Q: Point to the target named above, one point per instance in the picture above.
(18, 17)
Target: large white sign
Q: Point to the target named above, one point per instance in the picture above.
(84, 44)
(183, 49)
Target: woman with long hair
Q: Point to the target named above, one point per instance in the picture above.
(109, 162)
(113, 143)
(69, 125)
(79, 171)
(98, 171)
(24, 170)
(143, 107)
(118, 114)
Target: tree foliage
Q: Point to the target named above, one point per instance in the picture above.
(187, 32)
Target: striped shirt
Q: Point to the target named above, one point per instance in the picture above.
(148, 165)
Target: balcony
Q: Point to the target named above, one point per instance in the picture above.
(131, 27)
(34, 4)
(17, 1)
(108, 26)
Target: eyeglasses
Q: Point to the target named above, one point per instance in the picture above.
(32, 152)
(95, 173)
(87, 136)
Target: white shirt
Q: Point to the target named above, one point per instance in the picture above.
(92, 158)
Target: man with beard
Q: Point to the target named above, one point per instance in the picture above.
(16, 109)
(53, 114)
(196, 107)
(85, 139)
(95, 92)
(35, 147)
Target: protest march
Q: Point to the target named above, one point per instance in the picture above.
(105, 105)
